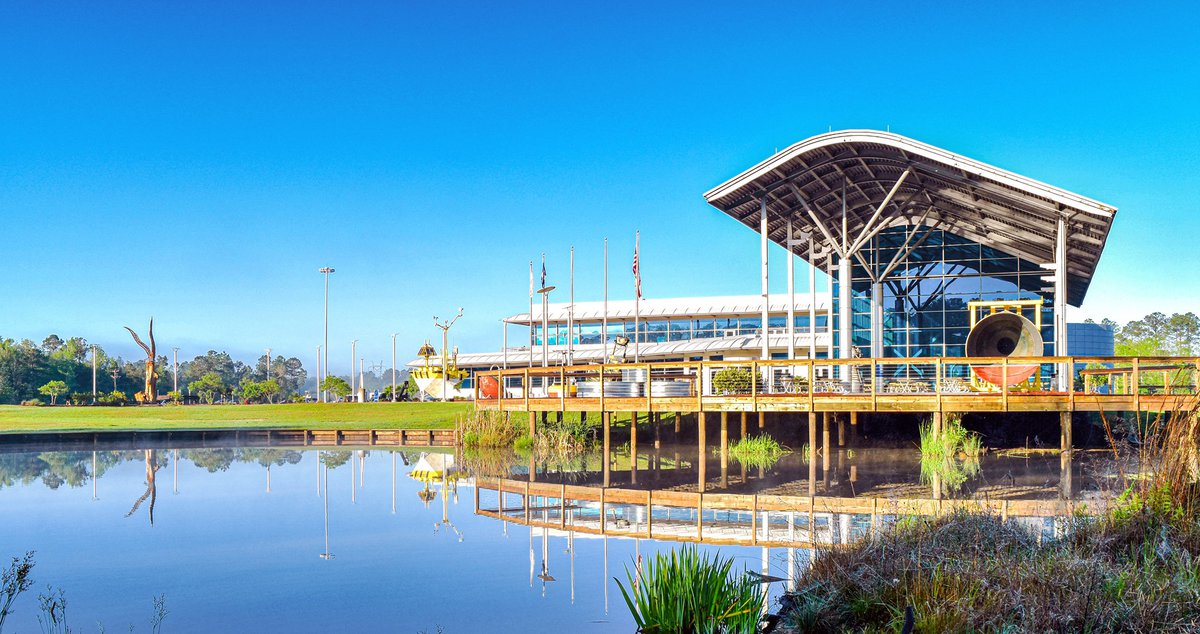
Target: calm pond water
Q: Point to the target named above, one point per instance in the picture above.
(237, 537)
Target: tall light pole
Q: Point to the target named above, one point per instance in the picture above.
(318, 389)
(268, 366)
(353, 358)
(394, 367)
(545, 293)
(94, 393)
(445, 343)
(325, 365)
(175, 355)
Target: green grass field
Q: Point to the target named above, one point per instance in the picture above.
(17, 419)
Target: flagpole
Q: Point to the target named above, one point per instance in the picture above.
(530, 315)
(604, 319)
(637, 300)
(571, 315)
(545, 318)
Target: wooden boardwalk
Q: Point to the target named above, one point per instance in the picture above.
(725, 518)
(848, 385)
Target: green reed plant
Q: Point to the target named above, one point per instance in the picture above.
(685, 592)
(950, 457)
(757, 451)
(488, 428)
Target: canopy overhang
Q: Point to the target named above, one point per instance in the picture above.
(889, 180)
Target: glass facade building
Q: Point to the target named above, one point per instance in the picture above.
(924, 299)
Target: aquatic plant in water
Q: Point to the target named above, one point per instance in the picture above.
(685, 591)
(757, 451)
(950, 457)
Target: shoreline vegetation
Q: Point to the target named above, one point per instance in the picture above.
(30, 420)
(1133, 568)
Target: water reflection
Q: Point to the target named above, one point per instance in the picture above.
(241, 526)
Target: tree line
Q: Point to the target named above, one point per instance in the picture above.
(61, 370)
(1157, 335)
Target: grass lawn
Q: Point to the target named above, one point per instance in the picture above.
(17, 419)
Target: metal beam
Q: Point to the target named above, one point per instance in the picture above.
(879, 210)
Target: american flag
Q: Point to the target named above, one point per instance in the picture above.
(637, 274)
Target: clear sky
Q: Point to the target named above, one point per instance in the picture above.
(199, 162)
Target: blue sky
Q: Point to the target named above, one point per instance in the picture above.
(199, 161)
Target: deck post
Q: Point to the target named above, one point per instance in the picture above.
(841, 427)
(724, 449)
(825, 443)
(744, 417)
(812, 455)
(678, 417)
(936, 422)
(656, 419)
(762, 420)
(633, 452)
(853, 427)
(1064, 424)
(700, 459)
(606, 418)
(532, 424)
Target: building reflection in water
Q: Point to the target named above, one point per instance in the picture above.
(658, 491)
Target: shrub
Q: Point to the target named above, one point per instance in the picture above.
(80, 398)
(32, 402)
(488, 428)
(685, 591)
(732, 381)
(113, 398)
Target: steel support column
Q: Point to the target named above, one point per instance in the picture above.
(1060, 305)
(763, 230)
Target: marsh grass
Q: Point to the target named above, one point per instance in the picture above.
(1134, 569)
(951, 458)
(760, 451)
(686, 592)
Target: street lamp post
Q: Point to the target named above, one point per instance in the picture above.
(325, 366)
(175, 355)
(445, 343)
(353, 358)
(318, 390)
(394, 367)
(268, 366)
(545, 293)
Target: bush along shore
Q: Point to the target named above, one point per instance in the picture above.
(1134, 568)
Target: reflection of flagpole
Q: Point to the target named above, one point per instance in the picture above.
(605, 572)
(94, 474)
(531, 555)
(393, 483)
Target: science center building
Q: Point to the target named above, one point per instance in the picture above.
(926, 254)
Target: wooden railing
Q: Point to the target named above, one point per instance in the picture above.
(1003, 383)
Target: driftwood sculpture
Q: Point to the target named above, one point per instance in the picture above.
(150, 391)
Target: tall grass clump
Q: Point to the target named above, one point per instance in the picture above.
(685, 592)
(757, 451)
(951, 457)
(488, 428)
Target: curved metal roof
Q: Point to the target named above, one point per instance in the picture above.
(890, 180)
